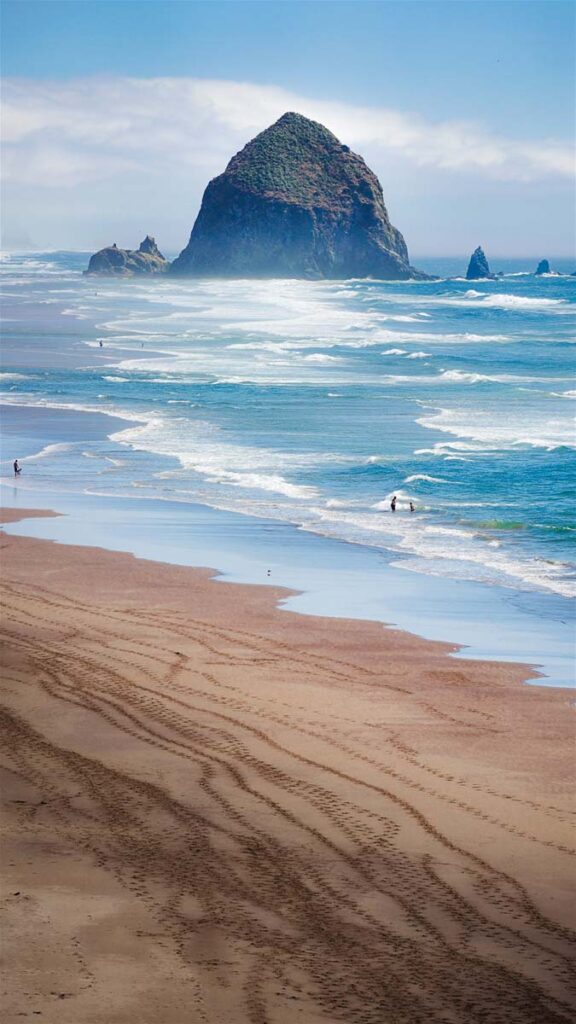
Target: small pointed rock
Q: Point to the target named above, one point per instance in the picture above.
(478, 266)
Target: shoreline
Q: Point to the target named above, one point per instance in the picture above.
(321, 575)
(272, 592)
(220, 808)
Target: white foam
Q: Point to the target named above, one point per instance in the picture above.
(320, 357)
(203, 449)
(503, 301)
(490, 432)
(338, 503)
(442, 550)
(498, 300)
(256, 364)
(266, 482)
(424, 476)
(48, 451)
(272, 322)
(447, 448)
(395, 352)
(75, 313)
(161, 380)
(403, 319)
(35, 402)
(377, 459)
(460, 376)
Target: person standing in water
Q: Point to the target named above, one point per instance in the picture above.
(412, 508)
(393, 503)
(17, 469)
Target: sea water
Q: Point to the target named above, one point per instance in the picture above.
(308, 405)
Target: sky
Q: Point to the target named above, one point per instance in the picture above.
(117, 114)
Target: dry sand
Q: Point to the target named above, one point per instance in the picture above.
(218, 812)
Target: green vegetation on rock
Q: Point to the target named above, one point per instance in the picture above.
(296, 160)
(295, 202)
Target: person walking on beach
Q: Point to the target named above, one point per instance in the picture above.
(17, 469)
(393, 503)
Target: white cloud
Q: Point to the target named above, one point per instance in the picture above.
(93, 160)
(90, 130)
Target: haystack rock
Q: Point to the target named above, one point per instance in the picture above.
(478, 266)
(295, 203)
(542, 268)
(147, 259)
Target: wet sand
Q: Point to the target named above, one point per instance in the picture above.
(223, 813)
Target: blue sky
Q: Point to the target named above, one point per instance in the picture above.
(464, 108)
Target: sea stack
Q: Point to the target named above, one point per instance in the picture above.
(295, 203)
(478, 266)
(542, 268)
(147, 259)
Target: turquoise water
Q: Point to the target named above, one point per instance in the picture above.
(309, 404)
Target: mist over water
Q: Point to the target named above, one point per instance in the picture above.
(314, 402)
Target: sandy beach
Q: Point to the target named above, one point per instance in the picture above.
(215, 811)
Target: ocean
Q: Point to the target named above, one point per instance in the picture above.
(280, 417)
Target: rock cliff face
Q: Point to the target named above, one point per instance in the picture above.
(542, 268)
(295, 202)
(125, 262)
(478, 266)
